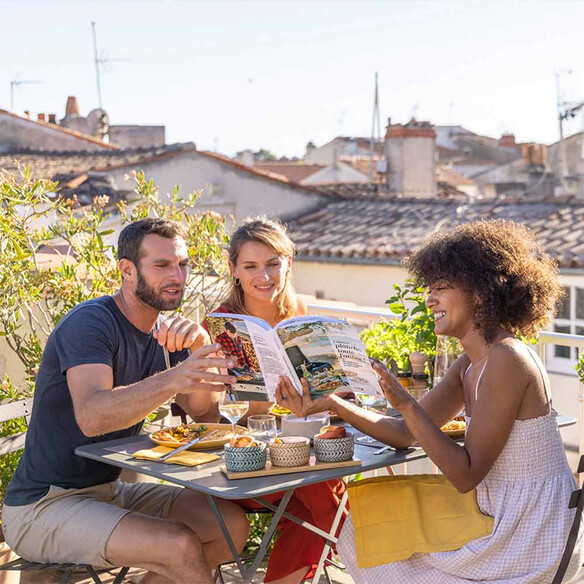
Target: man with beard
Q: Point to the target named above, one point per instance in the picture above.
(102, 372)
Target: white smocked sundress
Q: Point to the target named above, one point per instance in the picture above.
(527, 493)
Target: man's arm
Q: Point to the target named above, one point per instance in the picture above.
(101, 408)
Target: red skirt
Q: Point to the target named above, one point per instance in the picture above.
(297, 547)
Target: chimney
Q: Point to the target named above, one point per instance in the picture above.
(534, 155)
(72, 107)
(27, 114)
(41, 117)
(247, 158)
(410, 154)
(52, 118)
(507, 141)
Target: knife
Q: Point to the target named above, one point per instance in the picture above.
(179, 449)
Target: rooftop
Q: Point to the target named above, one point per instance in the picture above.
(384, 230)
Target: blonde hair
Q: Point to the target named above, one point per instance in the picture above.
(273, 234)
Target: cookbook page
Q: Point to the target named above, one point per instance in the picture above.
(259, 362)
(329, 355)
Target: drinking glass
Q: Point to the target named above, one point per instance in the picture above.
(447, 351)
(262, 427)
(376, 403)
(232, 410)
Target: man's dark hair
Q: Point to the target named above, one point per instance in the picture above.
(230, 327)
(130, 240)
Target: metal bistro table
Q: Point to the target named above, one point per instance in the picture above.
(209, 479)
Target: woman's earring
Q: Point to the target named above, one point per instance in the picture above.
(236, 282)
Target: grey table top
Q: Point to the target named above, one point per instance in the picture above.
(209, 479)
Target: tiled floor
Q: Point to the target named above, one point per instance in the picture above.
(230, 576)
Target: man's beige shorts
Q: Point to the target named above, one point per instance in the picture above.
(74, 525)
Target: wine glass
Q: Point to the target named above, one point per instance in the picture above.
(233, 410)
(262, 427)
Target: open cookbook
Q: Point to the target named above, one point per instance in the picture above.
(326, 352)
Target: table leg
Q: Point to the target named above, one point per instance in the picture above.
(333, 530)
(226, 535)
(249, 574)
(329, 537)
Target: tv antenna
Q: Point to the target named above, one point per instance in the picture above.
(375, 125)
(566, 111)
(101, 61)
(16, 82)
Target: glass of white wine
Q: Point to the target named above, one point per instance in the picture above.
(232, 410)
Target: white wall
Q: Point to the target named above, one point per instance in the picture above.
(365, 285)
(242, 193)
(17, 133)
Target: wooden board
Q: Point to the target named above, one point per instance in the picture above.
(270, 470)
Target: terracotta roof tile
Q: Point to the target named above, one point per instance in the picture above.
(292, 171)
(384, 230)
(47, 164)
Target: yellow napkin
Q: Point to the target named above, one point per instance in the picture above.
(397, 516)
(186, 457)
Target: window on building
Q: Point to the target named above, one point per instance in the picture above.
(214, 191)
(569, 320)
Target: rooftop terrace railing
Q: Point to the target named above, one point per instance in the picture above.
(362, 318)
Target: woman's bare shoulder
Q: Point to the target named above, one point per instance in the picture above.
(511, 352)
(509, 362)
(301, 308)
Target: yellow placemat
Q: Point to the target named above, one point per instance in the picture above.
(186, 457)
(397, 516)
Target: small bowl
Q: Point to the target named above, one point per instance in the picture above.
(334, 449)
(294, 451)
(306, 427)
(245, 459)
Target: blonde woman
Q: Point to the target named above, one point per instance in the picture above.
(260, 260)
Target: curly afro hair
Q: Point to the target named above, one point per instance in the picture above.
(501, 262)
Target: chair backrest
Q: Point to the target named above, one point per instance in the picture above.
(11, 411)
(577, 502)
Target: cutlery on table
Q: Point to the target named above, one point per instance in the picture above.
(179, 449)
(382, 450)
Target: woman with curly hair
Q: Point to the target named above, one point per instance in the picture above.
(488, 282)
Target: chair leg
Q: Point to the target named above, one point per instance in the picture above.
(66, 577)
(219, 575)
(121, 575)
(326, 575)
(94, 575)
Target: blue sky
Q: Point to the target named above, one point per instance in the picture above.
(229, 75)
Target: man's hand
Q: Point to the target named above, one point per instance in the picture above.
(302, 405)
(199, 372)
(179, 333)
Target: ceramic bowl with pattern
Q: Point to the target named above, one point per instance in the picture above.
(245, 459)
(292, 451)
(334, 449)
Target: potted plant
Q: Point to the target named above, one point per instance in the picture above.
(412, 331)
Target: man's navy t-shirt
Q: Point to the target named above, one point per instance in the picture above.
(95, 331)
